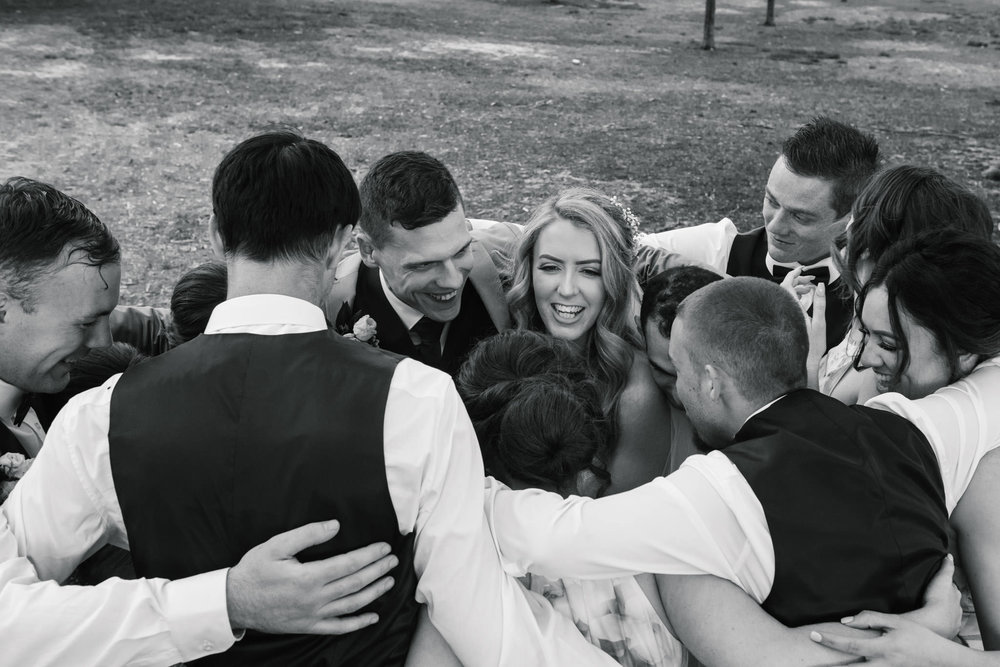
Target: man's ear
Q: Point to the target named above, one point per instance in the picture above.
(966, 362)
(215, 238)
(341, 241)
(712, 381)
(367, 249)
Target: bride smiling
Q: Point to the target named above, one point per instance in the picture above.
(573, 278)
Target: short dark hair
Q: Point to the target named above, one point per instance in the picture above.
(947, 280)
(902, 201)
(536, 411)
(99, 364)
(753, 330)
(37, 224)
(410, 189)
(89, 371)
(195, 296)
(281, 196)
(665, 291)
(834, 151)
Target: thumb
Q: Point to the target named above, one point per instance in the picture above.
(947, 570)
(819, 303)
(289, 543)
(942, 583)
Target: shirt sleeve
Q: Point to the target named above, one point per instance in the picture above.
(702, 519)
(62, 511)
(961, 421)
(709, 243)
(435, 474)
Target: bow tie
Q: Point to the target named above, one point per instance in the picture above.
(821, 273)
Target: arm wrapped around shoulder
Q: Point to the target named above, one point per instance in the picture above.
(649, 261)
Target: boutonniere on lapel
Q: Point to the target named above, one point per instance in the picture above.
(359, 327)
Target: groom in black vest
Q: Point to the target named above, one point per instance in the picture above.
(59, 277)
(870, 475)
(807, 205)
(270, 420)
(816, 509)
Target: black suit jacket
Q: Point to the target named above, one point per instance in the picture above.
(8, 443)
(46, 407)
(747, 257)
(472, 324)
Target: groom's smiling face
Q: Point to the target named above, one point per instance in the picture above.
(427, 267)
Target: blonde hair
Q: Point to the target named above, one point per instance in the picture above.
(611, 344)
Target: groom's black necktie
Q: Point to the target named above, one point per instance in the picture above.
(428, 333)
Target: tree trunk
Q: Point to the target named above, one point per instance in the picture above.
(769, 20)
(708, 43)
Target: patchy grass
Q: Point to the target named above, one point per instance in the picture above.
(129, 106)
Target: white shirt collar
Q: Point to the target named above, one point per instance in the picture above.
(10, 398)
(826, 261)
(264, 310)
(761, 409)
(408, 315)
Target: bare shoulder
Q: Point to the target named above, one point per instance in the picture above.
(643, 443)
(640, 389)
(980, 500)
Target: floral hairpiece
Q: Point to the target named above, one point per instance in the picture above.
(630, 219)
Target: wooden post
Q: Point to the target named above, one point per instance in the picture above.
(708, 43)
(769, 19)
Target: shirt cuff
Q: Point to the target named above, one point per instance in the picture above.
(196, 611)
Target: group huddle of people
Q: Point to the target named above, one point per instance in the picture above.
(378, 432)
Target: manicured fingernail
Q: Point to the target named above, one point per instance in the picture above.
(391, 562)
(815, 636)
(950, 557)
(383, 550)
(821, 289)
(371, 619)
(389, 583)
(331, 525)
(847, 619)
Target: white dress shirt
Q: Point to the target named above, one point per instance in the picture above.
(705, 518)
(409, 315)
(711, 244)
(961, 420)
(708, 243)
(66, 507)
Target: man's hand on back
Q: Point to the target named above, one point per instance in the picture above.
(271, 591)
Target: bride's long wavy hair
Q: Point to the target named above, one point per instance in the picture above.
(612, 342)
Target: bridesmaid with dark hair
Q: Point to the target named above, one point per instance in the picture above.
(538, 416)
(898, 203)
(929, 315)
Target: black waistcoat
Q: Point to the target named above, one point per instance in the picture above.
(229, 439)
(854, 504)
(472, 324)
(747, 258)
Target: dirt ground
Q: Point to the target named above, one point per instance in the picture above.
(129, 105)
